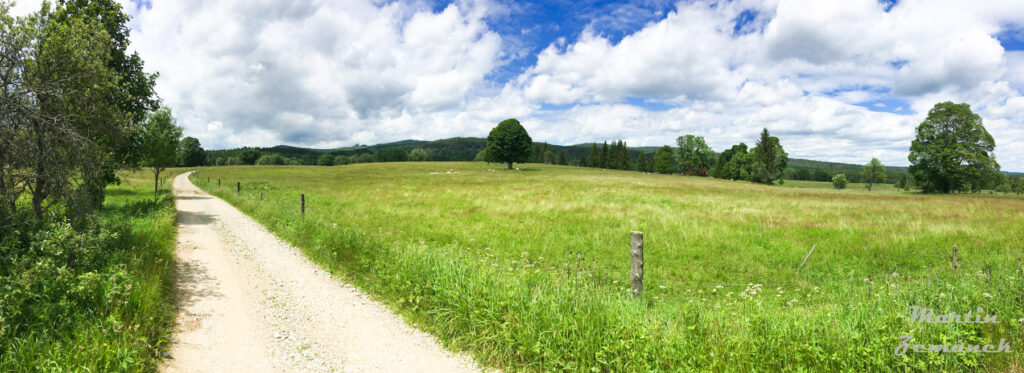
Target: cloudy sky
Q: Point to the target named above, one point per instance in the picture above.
(842, 80)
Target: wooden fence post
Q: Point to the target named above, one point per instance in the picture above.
(954, 257)
(302, 204)
(218, 182)
(807, 257)
(636, 268)
(261, 196)
(238, 187)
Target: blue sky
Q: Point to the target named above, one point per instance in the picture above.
(836, 80)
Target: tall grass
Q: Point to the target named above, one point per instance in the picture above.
(528, 270)
(97, 299)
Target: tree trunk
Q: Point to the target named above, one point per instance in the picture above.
(870, 183)
(510, 165)
(156, 181)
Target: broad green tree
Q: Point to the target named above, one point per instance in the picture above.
(191, 153)
(839, 181)
(419, 155)
(249, 156)
(271, 160)
(874, 172)
(508, 143)
(549, 157)
(325, 160)
(160, 143)
(952, 150)
(695, 156)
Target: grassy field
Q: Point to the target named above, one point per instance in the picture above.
(528, 269)
(98, 301)
(851, 187)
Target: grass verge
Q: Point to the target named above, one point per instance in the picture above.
(96, 299)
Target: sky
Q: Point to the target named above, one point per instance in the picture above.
(843, 80)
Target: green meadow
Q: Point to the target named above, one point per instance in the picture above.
(529, 269)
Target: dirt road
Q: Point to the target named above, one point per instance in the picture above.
(250, 302)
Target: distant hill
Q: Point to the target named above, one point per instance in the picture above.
(466, 148)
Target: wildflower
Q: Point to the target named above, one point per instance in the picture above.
(661, 286)
(942, 295)
(986, 295)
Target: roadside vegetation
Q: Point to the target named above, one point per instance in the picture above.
(529, 269)
(98, 297)
(85, 249)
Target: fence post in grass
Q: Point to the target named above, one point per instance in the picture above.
(302, 204)
(636, 268)
(261, 196)
(954, 257)
(238, 187)
(218, 183)
(807, 257)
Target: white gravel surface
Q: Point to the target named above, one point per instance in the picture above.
(250, 302)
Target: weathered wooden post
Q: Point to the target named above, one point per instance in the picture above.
(302, 204)
(261, 196)
(954, 257)
(636, 268)
(807, 257)
(218, 183)
(238, 187)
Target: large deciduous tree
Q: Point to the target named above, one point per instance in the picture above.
(62, 128)
(874, 172)
(508, 143)
(191, 153)
(160, 143)
(952, 150)
(695, 156)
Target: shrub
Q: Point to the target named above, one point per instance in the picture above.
(839, 181)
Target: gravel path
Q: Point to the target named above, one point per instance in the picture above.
(250, 302)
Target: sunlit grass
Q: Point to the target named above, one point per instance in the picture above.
(519, 245)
